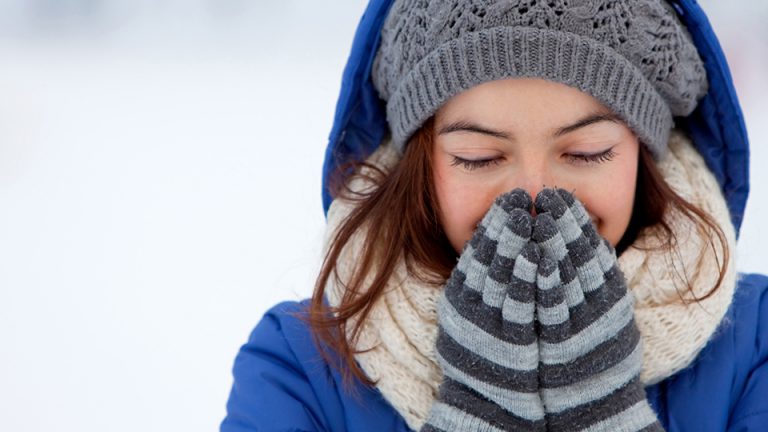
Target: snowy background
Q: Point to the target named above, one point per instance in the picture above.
(160, 188)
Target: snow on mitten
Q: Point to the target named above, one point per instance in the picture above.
(590, 348)
(487, 345)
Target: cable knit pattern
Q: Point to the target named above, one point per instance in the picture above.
(674, 333)
(402, 328)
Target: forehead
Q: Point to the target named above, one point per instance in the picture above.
(528, 109)
(529, 98)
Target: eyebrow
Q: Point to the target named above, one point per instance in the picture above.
(467, 126)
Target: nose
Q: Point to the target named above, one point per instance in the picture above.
(532, 177)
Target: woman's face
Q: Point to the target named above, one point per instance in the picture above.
(531, 134)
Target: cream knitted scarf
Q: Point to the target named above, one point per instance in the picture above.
(401, 329)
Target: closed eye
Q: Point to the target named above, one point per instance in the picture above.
(591, 158)
(473, 164)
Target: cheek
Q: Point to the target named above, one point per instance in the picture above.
(462, 206)
(611, 203)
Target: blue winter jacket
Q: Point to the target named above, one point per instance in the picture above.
(282, 384)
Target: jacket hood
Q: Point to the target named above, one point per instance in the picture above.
(716, 126)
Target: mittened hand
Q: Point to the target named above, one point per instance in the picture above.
(487, 344)
(589, 345)
(536, 327)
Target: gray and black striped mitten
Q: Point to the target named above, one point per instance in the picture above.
(487, 345)
(589, 346)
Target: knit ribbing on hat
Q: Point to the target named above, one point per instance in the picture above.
(635, 57)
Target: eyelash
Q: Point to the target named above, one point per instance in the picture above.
(471, 165)
(578, 158)
(601, 157)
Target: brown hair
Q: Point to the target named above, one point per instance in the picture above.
(399, 218)
(653, 199)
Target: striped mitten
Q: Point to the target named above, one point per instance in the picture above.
(487, 345)
(590, 347)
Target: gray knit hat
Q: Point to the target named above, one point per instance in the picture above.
(634, 56)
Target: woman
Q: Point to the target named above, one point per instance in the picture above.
(543, 238)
